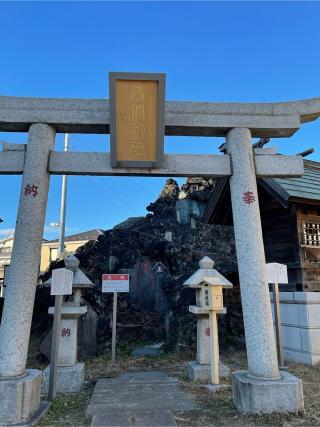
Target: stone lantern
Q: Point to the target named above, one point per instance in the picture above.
(208, 284)
(70, 373)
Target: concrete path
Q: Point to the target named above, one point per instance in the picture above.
(138, 399)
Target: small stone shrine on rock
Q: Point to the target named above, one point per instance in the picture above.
(199, 370)
(70, 373)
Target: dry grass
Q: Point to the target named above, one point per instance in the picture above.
(216, 410)
(69, 409)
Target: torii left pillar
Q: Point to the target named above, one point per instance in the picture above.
(20, 388)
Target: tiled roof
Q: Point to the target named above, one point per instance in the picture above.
(285, 190)
(305, 187)
(85, 235)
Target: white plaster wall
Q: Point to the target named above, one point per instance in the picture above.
(300, 319)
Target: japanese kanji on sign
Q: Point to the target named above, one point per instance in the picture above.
(137, 105)
(115, 283)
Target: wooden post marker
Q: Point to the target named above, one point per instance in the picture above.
(115, 283)
(215, 305)
(277, 273)
(114, 327)
(214, 347)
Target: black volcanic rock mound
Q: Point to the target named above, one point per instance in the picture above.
(157, 306)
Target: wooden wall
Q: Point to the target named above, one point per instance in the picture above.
(310, 255)
(283, 235)
(280, 236)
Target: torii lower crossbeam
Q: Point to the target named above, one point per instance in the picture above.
(75, 163)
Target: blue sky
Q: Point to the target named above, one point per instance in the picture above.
(210, 51)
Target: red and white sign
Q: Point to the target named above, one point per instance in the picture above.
(115, 283)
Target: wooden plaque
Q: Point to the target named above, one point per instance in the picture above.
(137, 103)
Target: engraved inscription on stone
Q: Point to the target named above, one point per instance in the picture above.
(136, 120)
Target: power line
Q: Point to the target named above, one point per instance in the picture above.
(108, 188)
(133, 179)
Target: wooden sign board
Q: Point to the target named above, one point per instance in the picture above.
(137, 107)
(277, 273)
(115, 283)
(61, 282)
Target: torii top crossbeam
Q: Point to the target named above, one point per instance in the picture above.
(274, 120)
(280, 119)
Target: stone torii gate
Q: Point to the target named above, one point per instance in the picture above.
(262, 388)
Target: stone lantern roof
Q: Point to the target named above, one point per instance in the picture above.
(80, 280)
(205, 273)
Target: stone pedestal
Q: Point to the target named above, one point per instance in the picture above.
(19, 397)
(199, 370)
(70, 374)
(258, 396)
(202, 372)
(69, 379)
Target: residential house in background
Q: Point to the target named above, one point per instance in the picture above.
(5, 254)
(49, 249)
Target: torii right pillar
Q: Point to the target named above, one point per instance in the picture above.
(262, 388)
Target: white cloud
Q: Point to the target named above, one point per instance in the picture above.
(55, 230)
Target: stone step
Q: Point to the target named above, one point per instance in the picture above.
(137, 399)
(134, 419)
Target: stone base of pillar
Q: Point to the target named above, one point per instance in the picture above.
(258, 396)
(70, 379)
(20, 397)
(201, 372)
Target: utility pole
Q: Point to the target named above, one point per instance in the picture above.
(58, 298)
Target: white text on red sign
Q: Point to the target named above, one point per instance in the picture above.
(115, 283)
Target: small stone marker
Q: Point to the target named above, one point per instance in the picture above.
(69, 373)
(168, 236)
(61, 284)
(153, 350)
